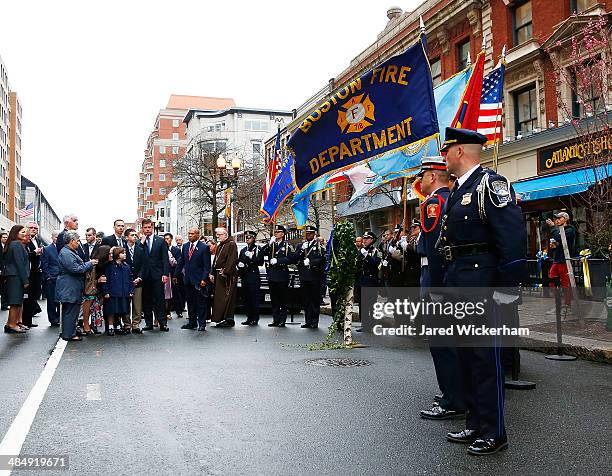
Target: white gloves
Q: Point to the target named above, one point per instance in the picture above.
(503, 298)
(385, 262)
(240, 264)
(404, 244)
(273, 261)
(273, 239)
(305, 245)
(248, 254)
(396, 253)
(391, 249)
(364, 252)
(306, 262)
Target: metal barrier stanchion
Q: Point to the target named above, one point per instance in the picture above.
(291, 285)
(559, 355)
(515, 383)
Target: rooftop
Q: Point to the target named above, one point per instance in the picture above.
(179, 101)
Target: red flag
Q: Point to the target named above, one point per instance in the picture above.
(467, 115)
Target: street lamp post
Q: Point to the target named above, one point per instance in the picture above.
(228, 177)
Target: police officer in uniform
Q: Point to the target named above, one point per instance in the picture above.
(249, 260)
(483, 243)
(311, 266)
(368, 264)
(434, 183)
(280, 255)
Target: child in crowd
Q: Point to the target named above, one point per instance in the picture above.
(118, 288)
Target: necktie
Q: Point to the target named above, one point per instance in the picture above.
(191, 248)
(149, 244)
(131, 253)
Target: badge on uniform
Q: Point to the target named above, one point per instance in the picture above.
(433, 210)
(502, 191)
(466, 199)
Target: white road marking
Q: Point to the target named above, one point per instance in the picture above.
(93, 392)
(19, 429)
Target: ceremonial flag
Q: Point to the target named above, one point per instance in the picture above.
(468, 112)
(279, 183)
(405, 162)
(28, 211)
(389, 107)
(490, 117)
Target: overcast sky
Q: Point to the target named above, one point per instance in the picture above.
(91, 77)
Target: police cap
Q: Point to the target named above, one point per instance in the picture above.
(280, 228)
(250, 234)
(456, 136)
(369, 234)
(310, 229)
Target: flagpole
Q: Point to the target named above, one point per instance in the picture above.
(498, 119)
(405, 200)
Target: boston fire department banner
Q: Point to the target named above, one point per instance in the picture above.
(387, 108)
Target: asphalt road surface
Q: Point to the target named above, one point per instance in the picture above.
(244, 401)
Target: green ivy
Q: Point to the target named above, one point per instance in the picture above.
(342, 269)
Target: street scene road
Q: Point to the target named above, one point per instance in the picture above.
(244, 401)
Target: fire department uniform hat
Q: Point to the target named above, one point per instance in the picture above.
(369, 234)
(456, 136)
(416, 223)
(280, 228)
(250, 234)
(436, 162)
(310, 229)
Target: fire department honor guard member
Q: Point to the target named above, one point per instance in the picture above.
(483, 241)
(280, 255)
(248, 269)
(434, 183)
(311, 266)
(368, 263)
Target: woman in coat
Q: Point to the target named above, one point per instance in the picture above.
(70, 284)
(17, 272)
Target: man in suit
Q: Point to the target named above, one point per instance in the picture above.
(134, 259)
(49, 262)
(90, 246)
(154, 274)
(117, 238)
(71, 222)
(177, 292)
(35, 250)
(178, 288)
(483, 242)
(194, 265)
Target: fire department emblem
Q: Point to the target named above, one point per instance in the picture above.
(356, 114)
(432, 210)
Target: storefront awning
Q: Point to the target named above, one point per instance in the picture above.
(559, 185)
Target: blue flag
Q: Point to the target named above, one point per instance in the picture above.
(404, 162)
(280, 189)
(389, 107)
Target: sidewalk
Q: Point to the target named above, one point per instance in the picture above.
(590, 341)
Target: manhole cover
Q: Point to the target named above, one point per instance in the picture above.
(338, 362)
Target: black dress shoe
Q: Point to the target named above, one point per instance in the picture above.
(358, 329)
(54, 324)
(248, 323)
(137, 330)
(10, 330)
(438, 397)
(202, 329)
(111, 331)
(281, 324)
(164, 328)
(147, 328)
(4, 308)
(439, 413)
(188, 326)
(463, 436)
(32, 325)
(488, 446)
(179, 315)
(226, 323)
(309, 326)
(273, 324)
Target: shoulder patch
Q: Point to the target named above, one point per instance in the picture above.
(501, 190)
(433, 210)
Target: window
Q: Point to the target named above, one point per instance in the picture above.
(463, 50)
(161, 212)
(525, 110)
(149, 204)
(162, 177)
(149, 176)
(162, 191)
(213, 146)
(580, 6)
(175, 136)
(149, 191)
(522, 23)
(436, 71)
(162, 149)
(162, 163)
(587, 87)
(216, 127)
(175, 122)
(252, 125)
(175, 150)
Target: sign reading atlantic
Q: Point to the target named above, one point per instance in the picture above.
(388, 108)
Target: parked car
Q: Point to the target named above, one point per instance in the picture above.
(265, 304)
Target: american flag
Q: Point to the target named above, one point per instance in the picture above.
(273, 169)
(28, 211)
(490, 116)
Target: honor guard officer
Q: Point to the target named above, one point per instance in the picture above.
(249, 260)
(434, 183)
(280, 255)
(483, 243)
(368, 263)
(311, 266)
